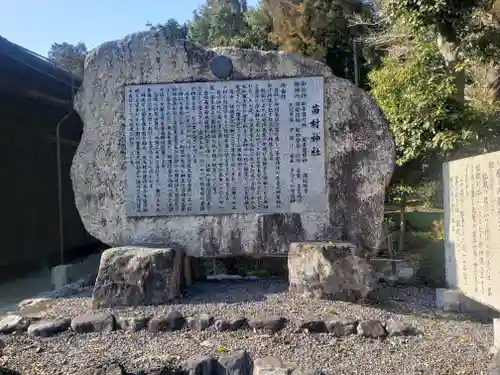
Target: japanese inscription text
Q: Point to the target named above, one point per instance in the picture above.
(472, 217)
(225, 147)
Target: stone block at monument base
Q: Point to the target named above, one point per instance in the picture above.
(134, 276)
(496, 333)
(454, 301)
(331, 270)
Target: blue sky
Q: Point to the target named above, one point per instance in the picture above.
(36, 24)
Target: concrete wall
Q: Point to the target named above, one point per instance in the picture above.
(28, 183)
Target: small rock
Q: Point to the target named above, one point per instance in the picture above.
(93, 323)
(200, 323)
(333, 342)
(222, 325)
(46, 328)
(208, 344)
(313, 325)
(494, 366)
(174, 321)
(13, 323)
(298, 371)
(164, 370)
(272, 366)
(134, 323)
(199, 365)
(8, 371)
(371, 328)
(341, 327)
(68, 290)
(270, 323)
(31, 302)
(397, 328)
(238, 323)
(106, 369)
(234, 363)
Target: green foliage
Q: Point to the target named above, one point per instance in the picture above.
(419, 221)
(429, 193)
(416, 97)
(444, 16)
(431, 267)
(390, 224)
(398, 191)
(428, 86)
(252, 267)
(258, 273)
(438, 229)
(70, 56)
(230, 23)
(172, 29)
(225, 25)
(319, 29)
(416, 241)
(255, 30)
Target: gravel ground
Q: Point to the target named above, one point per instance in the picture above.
(446, 345)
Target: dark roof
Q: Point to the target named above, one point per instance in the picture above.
(25, 73)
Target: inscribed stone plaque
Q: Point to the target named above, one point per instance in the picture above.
(472, 226)
(226, 147)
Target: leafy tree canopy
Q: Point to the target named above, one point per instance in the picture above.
(172, 29)
(70, 56)
(222, 23)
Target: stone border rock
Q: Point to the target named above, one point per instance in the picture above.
(175, 321)
(228, 363)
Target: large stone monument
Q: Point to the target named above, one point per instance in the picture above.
(226, 151)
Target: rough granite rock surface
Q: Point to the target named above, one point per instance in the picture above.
(134, 276)
(360, 152)
(330, 270)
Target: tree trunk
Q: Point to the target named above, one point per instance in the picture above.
(449, 50)
(402, 230)
(402, 223)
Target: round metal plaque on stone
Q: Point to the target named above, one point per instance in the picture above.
(222, 67)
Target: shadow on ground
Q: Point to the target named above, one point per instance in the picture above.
(232, 291)
(421, 301)
(399, 299)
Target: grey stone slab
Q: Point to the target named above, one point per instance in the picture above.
(173, 321)
(13, 323)
(199, 365)
(46, 328)
(272, 366)
(357, 153)
(229, 147)
(234, 363)
(98, 322)
(135, 276)
(472, 234)
(371, 328)
(133, 323)
(331, 270)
